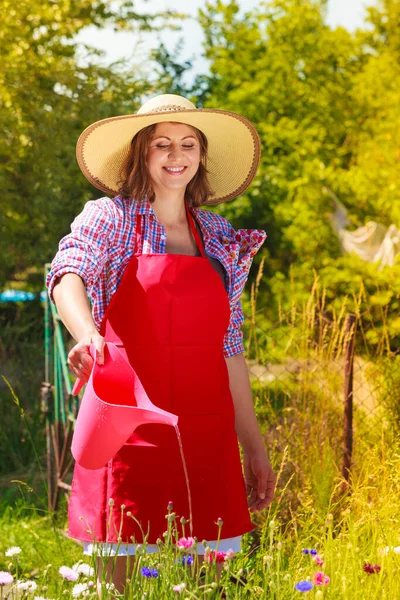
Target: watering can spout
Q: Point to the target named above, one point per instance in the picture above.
(158, 416)
(113, 406)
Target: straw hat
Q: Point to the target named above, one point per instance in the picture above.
(233, 145)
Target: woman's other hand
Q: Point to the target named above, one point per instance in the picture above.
(260, 480)
(80, 360)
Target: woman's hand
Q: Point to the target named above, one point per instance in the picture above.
(80, 360)
(260, 480)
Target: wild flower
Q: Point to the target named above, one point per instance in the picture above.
(27, 586)
(179, 588)
(6, 578)
(304, 586)
(84, 569)
(13, 551)
(68, 574)
(79, 589)
(319, 561)
(185, 543)
(217, 556)
(185, 560)
(311, 551)
(388, 549)
(148, 572)
(320, 578)
(371, 569)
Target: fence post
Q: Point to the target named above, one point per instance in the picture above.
(350, 330)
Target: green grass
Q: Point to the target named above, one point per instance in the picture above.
(354, 530)
(301, 416)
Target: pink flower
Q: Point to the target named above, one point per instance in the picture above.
(186, 543)
(319, 561)
(219, 557)
(321, 579)
(69, 574)
(5, 578)
(179, 588)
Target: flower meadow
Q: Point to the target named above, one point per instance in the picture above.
(349, 549)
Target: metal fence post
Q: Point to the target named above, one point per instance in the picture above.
(350, 330)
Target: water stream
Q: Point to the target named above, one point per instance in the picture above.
(178, 435)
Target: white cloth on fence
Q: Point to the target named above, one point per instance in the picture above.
(372, 242)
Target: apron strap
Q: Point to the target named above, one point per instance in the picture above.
(138, 235)
(195, 232)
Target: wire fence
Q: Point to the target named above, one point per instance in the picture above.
(324, 385)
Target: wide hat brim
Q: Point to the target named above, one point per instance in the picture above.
(233, 148)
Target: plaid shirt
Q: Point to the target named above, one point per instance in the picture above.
(101, 244)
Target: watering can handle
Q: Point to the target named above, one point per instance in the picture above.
(79, 383)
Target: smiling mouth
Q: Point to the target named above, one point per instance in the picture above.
(175, 170)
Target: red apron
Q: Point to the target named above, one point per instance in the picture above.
(169, 314)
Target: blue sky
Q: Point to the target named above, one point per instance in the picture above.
(348, 13)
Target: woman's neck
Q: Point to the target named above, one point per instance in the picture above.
(170, 208)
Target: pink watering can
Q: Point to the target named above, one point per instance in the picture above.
(113, 406)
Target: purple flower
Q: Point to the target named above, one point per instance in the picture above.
(313, 552)
(69, 574)
(147, 572)
(6, 578)
(304, 586)
(185, 560)
(305, 551)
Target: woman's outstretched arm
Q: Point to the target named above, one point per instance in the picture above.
(72, 303)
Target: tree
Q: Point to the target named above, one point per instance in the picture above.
(325, 103)
(51, 89)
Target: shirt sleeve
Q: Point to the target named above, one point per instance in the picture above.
(84, 250)
(233, 341)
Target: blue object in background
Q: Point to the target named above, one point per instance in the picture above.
(20, 296)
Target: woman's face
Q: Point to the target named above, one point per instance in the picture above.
(173, 156)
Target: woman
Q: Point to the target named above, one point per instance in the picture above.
(165, 278)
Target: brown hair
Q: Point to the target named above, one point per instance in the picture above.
(135, 182)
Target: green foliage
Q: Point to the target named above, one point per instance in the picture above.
(51, 88)
(325, 103)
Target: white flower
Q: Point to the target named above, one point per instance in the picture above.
(69, 574)
(396, 550)
(83, 568)
(109, 586)
(13, 551)
(28, 585)
(78, 589)
(179, 588)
